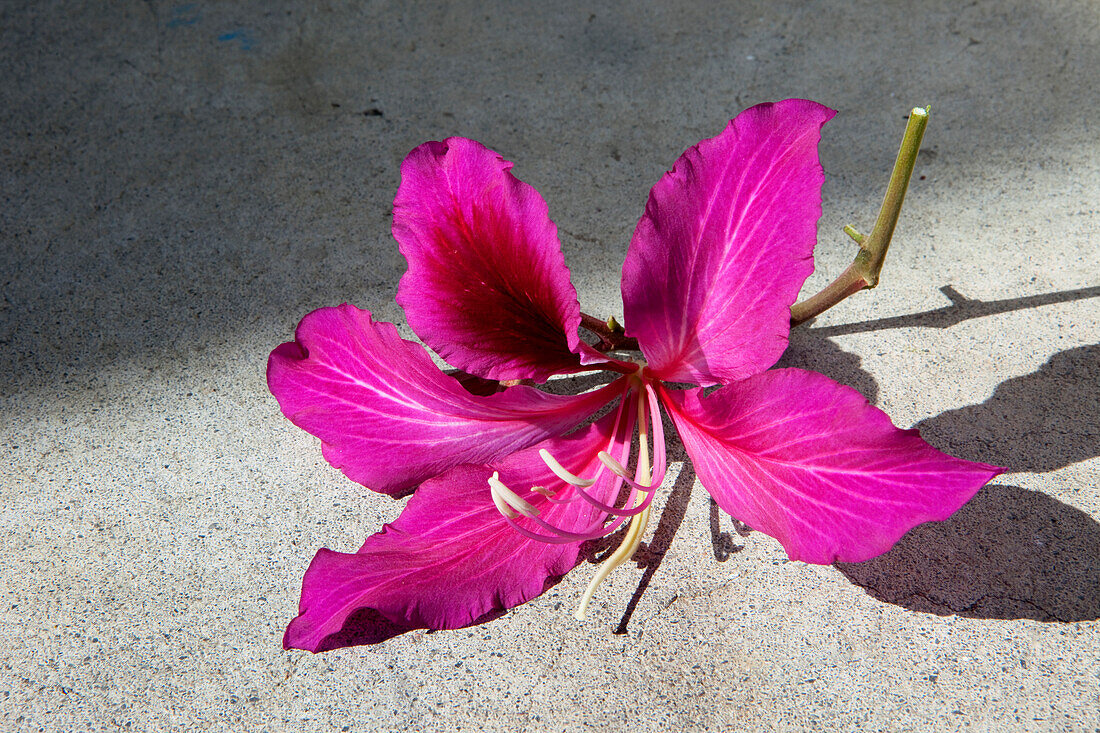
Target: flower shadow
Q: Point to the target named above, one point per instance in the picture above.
(1010, 553)
(651, 555)
(809, 349)
(1039, 422)
(961, 309)
(723, 542)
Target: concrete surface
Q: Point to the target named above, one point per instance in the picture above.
(182, 182)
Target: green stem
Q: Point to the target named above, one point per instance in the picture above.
(612, 337)
(864, 271)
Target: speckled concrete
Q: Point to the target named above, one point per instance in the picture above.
(181, 183)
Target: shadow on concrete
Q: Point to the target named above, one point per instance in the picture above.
(650, 556)
(1039, 422)
(179, 194)
(810, 349)
(961, 309)
(723, 542)
(1010, 553)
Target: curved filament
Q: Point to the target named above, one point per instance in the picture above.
(639, 406)
(644, 479)
(621, 436)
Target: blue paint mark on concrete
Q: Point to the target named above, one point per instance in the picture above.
(241, 36)
(182, 15)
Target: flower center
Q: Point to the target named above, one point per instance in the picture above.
(638, 407)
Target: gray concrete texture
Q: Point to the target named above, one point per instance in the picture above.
(182, 182)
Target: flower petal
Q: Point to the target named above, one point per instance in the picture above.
(389, 418)
(724, 246)
(813, 464)
(451, 559)
(487, 287)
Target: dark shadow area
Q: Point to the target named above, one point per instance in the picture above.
(722, 542)
(569, 385)
(650, 556)
(366, 626)
(810, 349)
(1009, 553)
(961, 309)
(1039, 422)
(170, 195)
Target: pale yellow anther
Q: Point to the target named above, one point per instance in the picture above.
(560, 471)
(501, 506)
(507, 501)
(616, 468)
(542, 490)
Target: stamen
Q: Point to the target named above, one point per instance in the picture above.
(506, 499)
(562, 473)
(561, 536)
(660, 457)
(643, 479)
(616, 467)
(647, 476)
(502, 506)
(622, 440)
(625, 551)
(625, 428)
(617, 511)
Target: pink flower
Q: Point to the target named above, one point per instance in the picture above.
(505, 495)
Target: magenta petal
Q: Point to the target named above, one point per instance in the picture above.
(487, 287)
(450, 559)
(813, 464)
(389, 418)
(724, 246)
